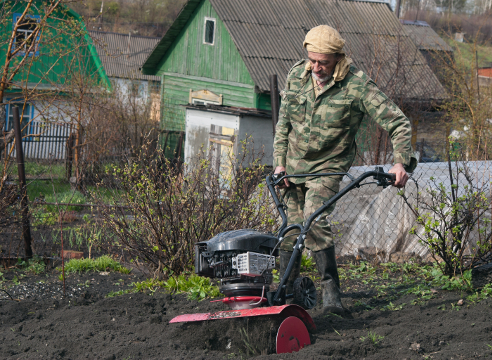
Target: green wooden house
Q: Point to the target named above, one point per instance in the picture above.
(221, 53)
(62, 63)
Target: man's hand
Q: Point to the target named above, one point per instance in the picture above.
(286, 183)
(401, 175)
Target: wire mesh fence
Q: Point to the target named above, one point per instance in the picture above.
(450, 197)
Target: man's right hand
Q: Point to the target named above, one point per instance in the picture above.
(286, 183)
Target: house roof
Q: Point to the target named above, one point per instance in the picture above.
(485, 72)
(122, 55)
(269, 34)
(90, 46)
(424, 36)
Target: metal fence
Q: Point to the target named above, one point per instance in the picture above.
(46, 141)
(375, 223)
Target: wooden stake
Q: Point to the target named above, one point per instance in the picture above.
(26, 226)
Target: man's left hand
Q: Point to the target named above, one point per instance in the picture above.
(401, 175)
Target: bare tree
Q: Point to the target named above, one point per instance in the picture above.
(20, 44)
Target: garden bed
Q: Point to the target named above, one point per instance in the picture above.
(386, 321)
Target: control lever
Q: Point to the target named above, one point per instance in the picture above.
(382, 177)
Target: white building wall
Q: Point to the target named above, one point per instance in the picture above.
(49, 124)
(125, 87)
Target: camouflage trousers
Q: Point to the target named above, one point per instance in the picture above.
(304, 199)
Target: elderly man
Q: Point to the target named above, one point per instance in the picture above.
(323, 104)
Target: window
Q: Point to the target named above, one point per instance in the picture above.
(137, 88)
(204, 102)
(155, 87)
(209, 31)
(222, 142)
(26, 127)
(204, 97)
(25, 29)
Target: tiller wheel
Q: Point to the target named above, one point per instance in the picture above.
(292, 336)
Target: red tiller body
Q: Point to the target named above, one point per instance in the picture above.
(283, 311)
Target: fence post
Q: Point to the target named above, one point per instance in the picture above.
(274, 100)
(69, 144)
(26, 227)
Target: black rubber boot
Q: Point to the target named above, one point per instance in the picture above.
(326, 263)
(296, 270)
(331, 298)
(330, 282)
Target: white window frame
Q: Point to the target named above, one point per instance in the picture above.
(26, 33)
(204, 102)
(205, 30)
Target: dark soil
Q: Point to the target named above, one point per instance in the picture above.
(85, 324)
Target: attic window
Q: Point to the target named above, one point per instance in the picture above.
(24, 30)
(209, 33)
(204, 102)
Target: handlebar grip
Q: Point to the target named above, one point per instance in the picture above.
(392, 177)
(278, 175)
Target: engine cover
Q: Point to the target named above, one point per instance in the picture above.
(213, 258)
(240, 241)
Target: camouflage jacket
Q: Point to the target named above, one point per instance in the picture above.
(317, 134)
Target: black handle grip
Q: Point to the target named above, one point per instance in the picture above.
(383, 177)
(277, 176)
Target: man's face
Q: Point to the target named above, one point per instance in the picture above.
(322, 65)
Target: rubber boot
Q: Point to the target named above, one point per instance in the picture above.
(326, 263)
(294, 274)
(330, 282)
(331, 298)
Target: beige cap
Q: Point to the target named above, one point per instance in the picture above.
(324, 39)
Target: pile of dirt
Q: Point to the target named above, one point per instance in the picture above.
(89, 325)
(248, 336)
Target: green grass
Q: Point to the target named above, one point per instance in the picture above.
(103, 263)
(46, 189)
(34, 266)
(66, 197)
(34, 169)
(372, 337)
(390, 282)
(149, 285)
(465, 53)
(40, 188)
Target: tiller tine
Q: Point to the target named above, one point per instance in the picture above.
(292, 334)
(283, 311)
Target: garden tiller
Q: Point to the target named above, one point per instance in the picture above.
(243, 260)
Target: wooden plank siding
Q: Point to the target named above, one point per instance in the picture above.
(176, 93)
(188, 52)
(191, 64)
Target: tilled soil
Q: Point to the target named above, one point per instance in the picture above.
(86, 325)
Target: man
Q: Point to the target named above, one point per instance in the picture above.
(323, 104)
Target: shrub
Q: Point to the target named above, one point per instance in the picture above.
(451, 222)
(162, 211)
